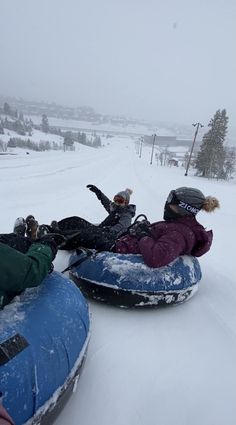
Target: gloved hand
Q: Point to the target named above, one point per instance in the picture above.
(140, 229)
(93, 188)
(53, 240)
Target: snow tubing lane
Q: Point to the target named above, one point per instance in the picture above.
(44, 335)
(124, 280)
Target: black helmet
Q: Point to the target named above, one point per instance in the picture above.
(188, 200)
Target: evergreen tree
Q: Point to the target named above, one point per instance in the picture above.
(3, 146)
(7, 109)
(230, 163)
(211, 157)
(68, 140)
(28, 127)
(21, 116)
(97, 142)
(45, 124)
(12, 142)
(82, 138)
(19, 127)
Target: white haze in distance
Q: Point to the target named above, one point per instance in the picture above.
(168, 61)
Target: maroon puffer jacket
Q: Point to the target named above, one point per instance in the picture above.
(169, 240)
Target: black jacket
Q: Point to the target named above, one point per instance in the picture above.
(119, 218)
(100, 237)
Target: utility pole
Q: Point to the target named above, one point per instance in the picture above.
(197, 124)
(140, 147)
(153, 144)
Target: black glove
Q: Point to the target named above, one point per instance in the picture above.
(93, 188)
(53, 240)
(141, 229)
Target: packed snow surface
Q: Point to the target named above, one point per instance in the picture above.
(167, 366)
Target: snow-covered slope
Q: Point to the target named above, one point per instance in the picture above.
(169, 366)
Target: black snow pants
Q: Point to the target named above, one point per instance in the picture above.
(20, 243)
(70, 225)
(82, 233)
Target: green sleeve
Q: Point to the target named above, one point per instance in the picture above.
(20, 271)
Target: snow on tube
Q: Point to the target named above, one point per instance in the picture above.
(124, 279)
(44, 335)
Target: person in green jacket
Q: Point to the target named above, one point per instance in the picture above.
(19, 270)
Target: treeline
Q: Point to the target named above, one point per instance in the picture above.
(214, 160)
(34, 146)
(16, 122)
(94, 140)
(21, 127)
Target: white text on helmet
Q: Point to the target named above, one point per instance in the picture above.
(188, 207)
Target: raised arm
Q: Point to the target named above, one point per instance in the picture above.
(105, 201)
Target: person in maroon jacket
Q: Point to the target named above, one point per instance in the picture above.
(180, 233)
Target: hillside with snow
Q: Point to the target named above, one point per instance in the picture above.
(168, 366)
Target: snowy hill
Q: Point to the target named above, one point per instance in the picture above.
(37, 137)
(169, 366)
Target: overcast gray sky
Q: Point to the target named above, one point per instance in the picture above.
(171, 60)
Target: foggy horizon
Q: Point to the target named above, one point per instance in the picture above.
(171, 62)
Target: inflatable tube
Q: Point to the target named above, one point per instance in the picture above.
(44, 335)
(124, 280)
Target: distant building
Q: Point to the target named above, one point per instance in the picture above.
(169, 141)
(161, 140)
(174, 162)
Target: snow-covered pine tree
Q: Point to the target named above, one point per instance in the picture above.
(68, 141)
(211, 157)
(1, 127)
(230, 163)
(7, 109)
(97, 141)
(82, 138)
(45, 124)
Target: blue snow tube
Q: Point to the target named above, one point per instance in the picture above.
(124, 279)
(44, 335)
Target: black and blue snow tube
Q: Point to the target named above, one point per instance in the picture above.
(44, 335)
(124, 280)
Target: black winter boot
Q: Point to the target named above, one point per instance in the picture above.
(19, 226)
(42, 230)
(32, 226)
